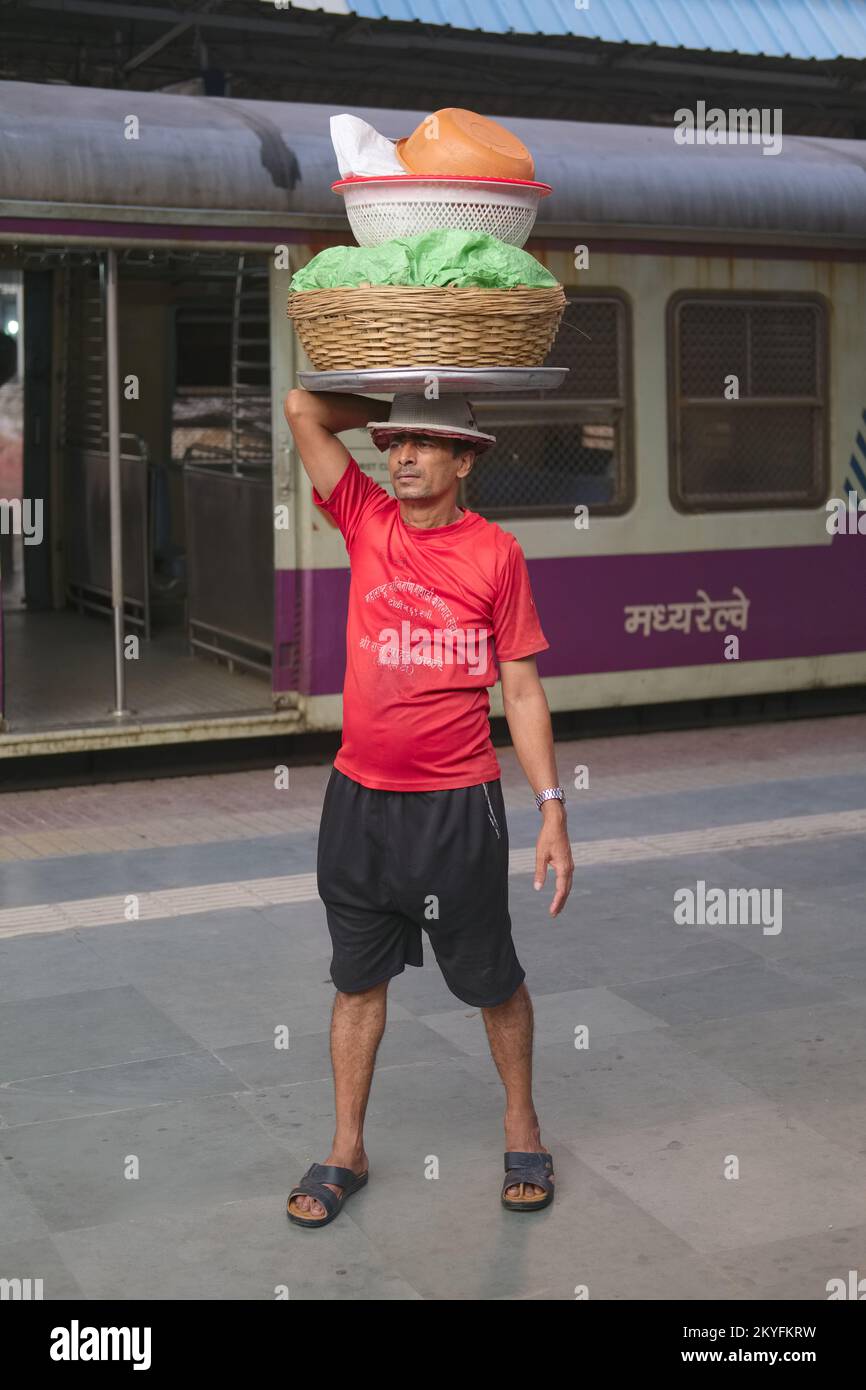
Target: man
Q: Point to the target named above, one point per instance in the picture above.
(413, 831)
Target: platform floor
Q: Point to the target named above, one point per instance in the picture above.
(60, 674)
(707, 1044)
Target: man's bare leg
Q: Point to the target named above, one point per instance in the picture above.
(357, 1025)
(509, 1032)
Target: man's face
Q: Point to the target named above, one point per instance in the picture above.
(425, 466)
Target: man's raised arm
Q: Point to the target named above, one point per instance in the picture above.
(315, 419)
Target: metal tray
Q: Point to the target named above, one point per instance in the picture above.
(465, 381)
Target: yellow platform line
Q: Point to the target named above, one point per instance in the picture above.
(111, 909)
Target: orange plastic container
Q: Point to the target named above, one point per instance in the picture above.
(454, 141)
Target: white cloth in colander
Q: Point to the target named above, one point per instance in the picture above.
(362, 150)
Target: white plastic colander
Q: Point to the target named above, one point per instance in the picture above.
(383, 206)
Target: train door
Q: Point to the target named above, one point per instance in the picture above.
(194, 525)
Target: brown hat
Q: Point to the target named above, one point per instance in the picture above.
(450, 415)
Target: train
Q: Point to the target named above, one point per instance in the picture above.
(688, 502)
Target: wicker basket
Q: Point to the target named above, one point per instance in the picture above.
(420, 326)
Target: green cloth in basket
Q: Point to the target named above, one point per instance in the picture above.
(430, 258)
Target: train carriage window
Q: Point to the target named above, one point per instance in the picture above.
(558, 449)
(748, 401)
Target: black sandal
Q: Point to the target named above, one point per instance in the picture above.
(534, 1168)
(312, 1184)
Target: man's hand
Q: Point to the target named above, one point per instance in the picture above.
(552, 847)
(529, 721)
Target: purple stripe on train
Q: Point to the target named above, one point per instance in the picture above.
(636, 612)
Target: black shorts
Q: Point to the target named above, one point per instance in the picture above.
(393, 863)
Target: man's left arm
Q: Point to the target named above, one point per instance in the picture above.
(528, 716)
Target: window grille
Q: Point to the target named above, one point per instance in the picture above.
(558, 449)
(759, 440)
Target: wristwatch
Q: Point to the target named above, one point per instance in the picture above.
(550, 794)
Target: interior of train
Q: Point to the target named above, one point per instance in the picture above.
(194, 371)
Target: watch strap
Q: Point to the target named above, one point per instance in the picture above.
(550, 794)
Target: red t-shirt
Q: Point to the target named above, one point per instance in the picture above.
(430, 612)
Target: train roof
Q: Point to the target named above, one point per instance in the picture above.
(65, 153)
